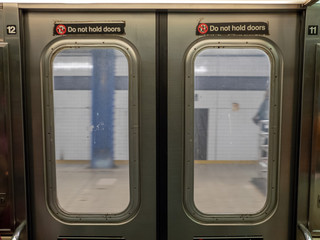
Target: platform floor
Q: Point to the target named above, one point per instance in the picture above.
(229, 188)
(219, 188)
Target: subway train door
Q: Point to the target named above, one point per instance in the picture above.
(90, 107)
(233, 83)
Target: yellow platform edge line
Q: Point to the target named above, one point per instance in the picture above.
(117, 162)
(6, 237)
(226, 161)
(126, 162)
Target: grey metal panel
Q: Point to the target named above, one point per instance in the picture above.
(314, 201)
(11, 17)
(284, 29)
(38, 34)
(309, 122)
(311, 2)
(6, 173)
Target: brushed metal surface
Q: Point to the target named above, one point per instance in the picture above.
(6, 173)
(314, 211)
(140, 32)
(11, 17)
(284, 33)
(308, 188)
(311, 2)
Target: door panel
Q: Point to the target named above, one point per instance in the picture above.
(75, 118)
(185, 221)
(209, 127)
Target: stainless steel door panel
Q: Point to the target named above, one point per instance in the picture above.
(284, 32)
(140, 32)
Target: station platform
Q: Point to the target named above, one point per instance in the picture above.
(221, 187)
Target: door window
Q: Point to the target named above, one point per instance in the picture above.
(92, 162)
(227, 132)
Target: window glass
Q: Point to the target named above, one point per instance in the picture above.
(91, 123)
(231, 129)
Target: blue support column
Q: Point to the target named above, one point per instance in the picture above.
(102, 108)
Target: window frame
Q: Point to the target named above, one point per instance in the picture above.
(276, 78)
(47, 95)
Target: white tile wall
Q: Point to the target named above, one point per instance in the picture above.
(121, 126)
(236, 66)
(72, 99)
(72, 133)
(237, 135)
(231, 134)
(242, 62)
(73, 125)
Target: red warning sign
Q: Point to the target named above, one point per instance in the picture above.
(61, 29)
(203, 28)
(234, 28)
(89, 28)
